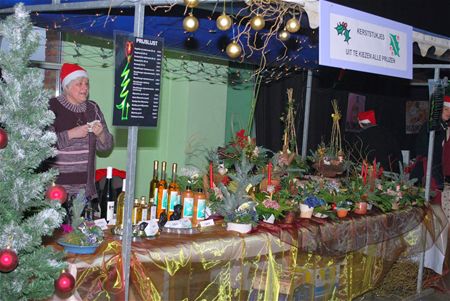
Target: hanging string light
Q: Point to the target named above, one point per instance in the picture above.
(233, 50)
(191, 3)
(190, 23)
(223, 21)
(293, 25)
(257, 22)
(284, 35)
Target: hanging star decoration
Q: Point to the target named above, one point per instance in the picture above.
(342, 29)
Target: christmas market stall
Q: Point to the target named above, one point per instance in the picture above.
(228, 219)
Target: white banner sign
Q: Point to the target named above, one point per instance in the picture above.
(352, 39)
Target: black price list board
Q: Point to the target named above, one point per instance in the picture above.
(436, 104)
(137, 80)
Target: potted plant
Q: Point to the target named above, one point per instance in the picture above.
(342, 208)
(234, 202)
(83, 236)
(272, 205)
(358, 193)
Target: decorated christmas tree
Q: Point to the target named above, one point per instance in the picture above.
(28, 270)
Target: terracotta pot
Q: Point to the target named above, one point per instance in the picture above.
(361, 208)
(305, 211)
(341, 213)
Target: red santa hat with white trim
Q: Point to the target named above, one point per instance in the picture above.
(367, 118)
(447, 101)
(69, 72)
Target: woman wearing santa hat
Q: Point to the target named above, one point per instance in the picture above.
(81, 131)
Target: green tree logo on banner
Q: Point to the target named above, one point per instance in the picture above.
(341, 29)
(394, 44)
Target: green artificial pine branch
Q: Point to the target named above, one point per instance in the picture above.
(243, 178)
(25, 214)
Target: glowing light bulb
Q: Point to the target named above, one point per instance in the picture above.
(223, 22)
(284, 35)
(190, 23)
(257, 22)
(234, 50)
(191, 3)
(292, 25)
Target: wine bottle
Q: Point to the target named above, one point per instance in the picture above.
(108, 201)
(120, 206)
(174, 191)
(152, 210)
(162, 191)
(144, 209)
(188, 202)
(153, 191)
(136, 214)
(199, 207)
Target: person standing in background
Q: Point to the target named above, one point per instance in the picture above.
(81, 130)
(440, 153)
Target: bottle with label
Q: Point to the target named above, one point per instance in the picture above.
(174, 191)
(153, 191)
(145, 209)
(108, 201)
(187, 200)
(199, 207)
(136, 214)
(152, 206)
(120, 206)
(162, 191)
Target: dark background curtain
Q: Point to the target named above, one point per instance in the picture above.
(386, 95)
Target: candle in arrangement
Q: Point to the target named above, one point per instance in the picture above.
(365, 168)
(375, 168)
(211, 176)
(269, 173)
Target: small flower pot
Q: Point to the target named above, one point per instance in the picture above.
(341, 213)
(361, 208)
(241, 228)
(306, 211)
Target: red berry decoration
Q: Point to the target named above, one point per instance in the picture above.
(57, 192)
(8, 260)
(3, 138)
(65, 283)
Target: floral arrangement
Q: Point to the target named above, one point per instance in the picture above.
(273, 202)
(233, 201)
(242, 144)
(189, 176)
(82, 232)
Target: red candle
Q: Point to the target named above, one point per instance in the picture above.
(365, 168)
(269, 173)
(211, 176)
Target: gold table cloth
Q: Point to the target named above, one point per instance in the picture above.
(307, 260)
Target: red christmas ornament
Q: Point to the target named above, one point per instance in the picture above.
(65, 283)
(57, 192)
(3, 138)
(8, 260)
